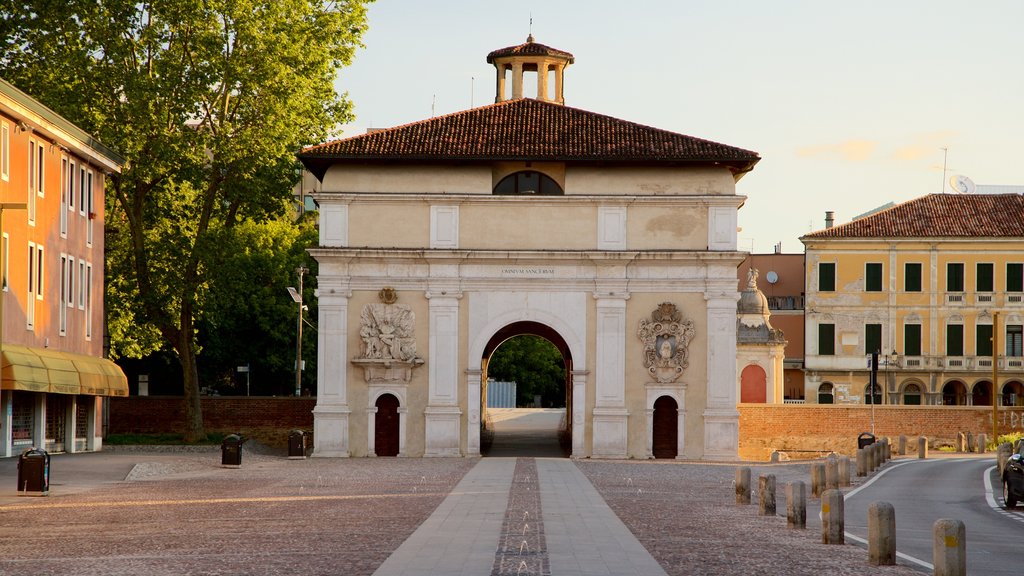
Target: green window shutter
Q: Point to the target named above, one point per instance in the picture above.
(954, 340)
(912, 339)
(912, 277)
(872, 338)
(983, 342)
(1015, 277)
(826, 339)
(955, 277)
(827, 277)
(984, 282)
(873, 277)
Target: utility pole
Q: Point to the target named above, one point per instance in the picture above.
(301, 270)
(995, 377)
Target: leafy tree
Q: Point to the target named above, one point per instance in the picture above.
(249, 317)
(208, 101)
(535, 365)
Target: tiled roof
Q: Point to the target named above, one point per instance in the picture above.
(530, 48)
(939, 215)
(526, 130)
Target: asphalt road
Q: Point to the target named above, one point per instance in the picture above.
(923, 491)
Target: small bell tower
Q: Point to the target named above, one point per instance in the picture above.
(530, 57)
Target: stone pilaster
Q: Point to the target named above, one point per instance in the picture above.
(443, 416)
(331, 414)
(610, 417)
(721, 419)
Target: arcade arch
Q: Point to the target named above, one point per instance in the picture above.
(753, 385)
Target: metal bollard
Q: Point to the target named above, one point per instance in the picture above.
(832, 517)
(817, 479)
(862, 462)
(949, 547)
(766, 495)
(796, 505)
(982, 443)
(742, 485)
(881, 534)
(844, 470)
(902, 451)
(922, 447)
(831, 472)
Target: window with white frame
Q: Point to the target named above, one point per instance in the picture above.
(88, 300)
(72, 189)
(63, 294)
(64, 196)
(39, 272)
(81, 284)
(7, 260)
(89, 210)
(70, 296)
(30, 308)
(81, 189)
(34, 176)
(5, 151)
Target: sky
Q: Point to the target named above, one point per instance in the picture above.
(850, 105)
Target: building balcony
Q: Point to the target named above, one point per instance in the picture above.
(785, 302)
(1008, 364)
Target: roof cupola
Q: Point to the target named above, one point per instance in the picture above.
(530, 57)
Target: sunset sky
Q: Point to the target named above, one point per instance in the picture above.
(849, 105)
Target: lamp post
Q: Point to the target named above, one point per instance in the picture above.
(297, 297)
(3, 263)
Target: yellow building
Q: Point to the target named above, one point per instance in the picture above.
(924, 283)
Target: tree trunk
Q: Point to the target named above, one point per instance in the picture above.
(194, 431)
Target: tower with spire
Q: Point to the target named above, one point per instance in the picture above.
(530, 57)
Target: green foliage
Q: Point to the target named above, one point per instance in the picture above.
(535, 365)
(208, 102)
(249, 317)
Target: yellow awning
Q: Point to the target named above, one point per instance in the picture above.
(45, 370)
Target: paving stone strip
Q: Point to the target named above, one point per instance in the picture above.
(522, 548)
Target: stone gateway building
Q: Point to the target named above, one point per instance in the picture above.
(443, 238)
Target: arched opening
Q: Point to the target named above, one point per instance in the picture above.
(1013, 393)
(825, 394)
(536, 360)
(912, 395)
(981, 394)
(753, 385)
(528, 182)
(665, 442)
(386, 429)
(954, 394)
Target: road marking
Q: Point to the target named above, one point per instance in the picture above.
(990, 497)
(899, 554)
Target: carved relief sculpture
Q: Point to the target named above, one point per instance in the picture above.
(389, 341)
(666, 337)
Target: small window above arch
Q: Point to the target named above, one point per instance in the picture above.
(528, 182)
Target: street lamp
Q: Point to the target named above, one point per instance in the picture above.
(3, 269)
(297, 297)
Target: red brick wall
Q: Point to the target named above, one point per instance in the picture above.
(253, 416)
(768, 427)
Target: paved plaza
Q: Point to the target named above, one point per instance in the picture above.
(171, 512)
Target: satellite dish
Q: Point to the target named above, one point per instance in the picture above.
(772, 277)
(962, 184)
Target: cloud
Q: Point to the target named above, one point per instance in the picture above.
(852, 150)
(923, 146)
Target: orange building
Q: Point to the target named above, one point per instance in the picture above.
(54, 376)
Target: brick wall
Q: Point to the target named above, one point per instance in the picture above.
(768, 427)
(255, 416)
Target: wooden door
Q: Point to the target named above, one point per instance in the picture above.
(385, 440)
(666, 428)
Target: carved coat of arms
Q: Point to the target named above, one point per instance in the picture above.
(666, 337)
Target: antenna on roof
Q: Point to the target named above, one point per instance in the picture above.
(433, 104)
(945, 152)
(472, 85)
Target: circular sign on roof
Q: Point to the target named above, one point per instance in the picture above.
(772, 277)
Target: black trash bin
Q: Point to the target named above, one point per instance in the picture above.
(297, 444)
(865, 439)
(231, 451)
(34, 473)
